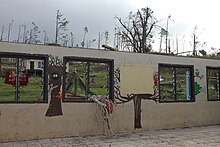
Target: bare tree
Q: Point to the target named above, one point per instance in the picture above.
(71, 39)
(99, 40)
(45, 37)
(26, 39)
(196, 43)
(61, 26)
(90, 42)
(84, 36)
(119, 40)
(215, 52)
(65, 40)
(34, 34)
(162, 33)
(9, 29)
(106, 34)
(2, 33)
(137, 30)
(24, 32)
(19, 32)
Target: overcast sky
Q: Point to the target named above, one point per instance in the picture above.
(98, 16)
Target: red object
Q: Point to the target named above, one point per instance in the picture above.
(109, 106)
(23, 79)
(10, 78)
(155, 81)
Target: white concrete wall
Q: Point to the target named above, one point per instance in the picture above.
(28, 121)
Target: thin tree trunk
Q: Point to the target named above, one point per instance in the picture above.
(56, 35)
(137, 112)
(24, 35)
(19, 32)
(3, 28)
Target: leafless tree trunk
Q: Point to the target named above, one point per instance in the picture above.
(71, 39)
(84, 37)
(45, 37)
(56, 35)
(9, 29)
(24, 33)
(2, 33)
(19, 32)
(61, 24)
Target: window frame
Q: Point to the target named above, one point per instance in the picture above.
(110, 63)
(43, 57)
(212, 68)
(192, 93)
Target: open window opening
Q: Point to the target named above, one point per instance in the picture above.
(213, 83)
(20, 80)
(176, 83)
(85, 77)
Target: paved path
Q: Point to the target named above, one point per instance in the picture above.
(189, 137)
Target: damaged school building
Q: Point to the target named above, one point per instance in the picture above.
(52, 91)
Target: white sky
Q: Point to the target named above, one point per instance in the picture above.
(188, 13)
(98, 16)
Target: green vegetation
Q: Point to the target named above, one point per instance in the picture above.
(167, 84)
(212, 84)
(31, 92)
(76, 79)
(7, 92)
(212, 93)
(99, 79)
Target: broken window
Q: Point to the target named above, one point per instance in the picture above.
(20, 81)
(87, 76)
(213, 83)
(176, 83)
